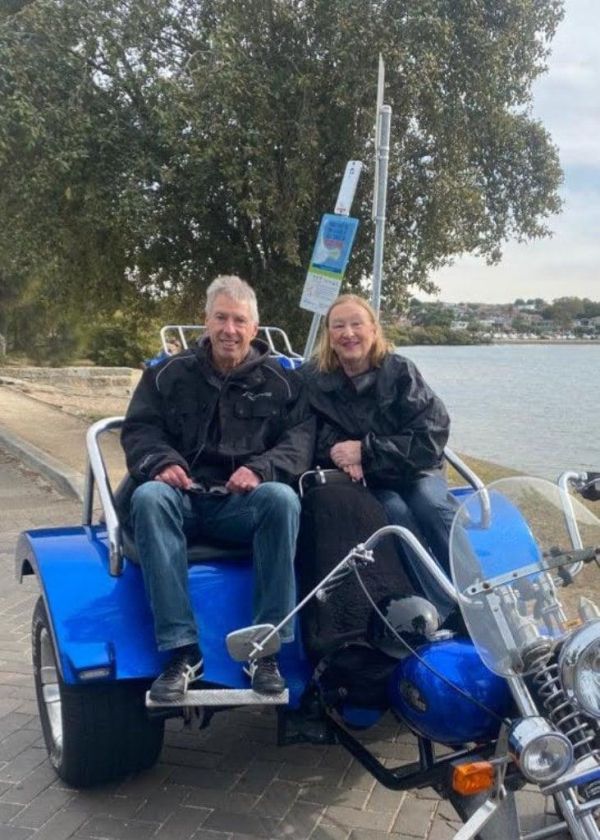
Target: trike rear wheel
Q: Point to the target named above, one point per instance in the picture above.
(93, 733)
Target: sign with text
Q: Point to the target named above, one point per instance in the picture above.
(320, 290)
(348, 188)
(328, 263)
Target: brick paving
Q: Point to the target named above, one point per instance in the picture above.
(227, 782)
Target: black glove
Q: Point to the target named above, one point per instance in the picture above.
(591, 489)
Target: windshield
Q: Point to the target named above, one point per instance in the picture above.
(512, 557)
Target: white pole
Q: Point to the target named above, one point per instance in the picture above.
(380, 90)
(312, 336)
(383, 156)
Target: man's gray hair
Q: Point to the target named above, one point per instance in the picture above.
(236, 289)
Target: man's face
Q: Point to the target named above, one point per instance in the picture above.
(230, 330)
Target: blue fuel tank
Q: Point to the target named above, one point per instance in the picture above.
(435, 709)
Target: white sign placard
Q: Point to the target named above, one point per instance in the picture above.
(348, 188)
(319, 292)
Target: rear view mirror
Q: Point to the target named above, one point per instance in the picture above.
(249, 642)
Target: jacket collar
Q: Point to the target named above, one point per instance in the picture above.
(249, 370)
(333, 380)
(336, 380)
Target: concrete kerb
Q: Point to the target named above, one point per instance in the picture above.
(68, 481)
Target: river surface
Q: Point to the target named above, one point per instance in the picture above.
(532, 407)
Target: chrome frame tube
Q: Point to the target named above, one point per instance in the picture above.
(364, 549)
(581, 827)
(88, 494)
(476, 483)
(564, 481)
(96, 474)
(423, 555)
(266, 331)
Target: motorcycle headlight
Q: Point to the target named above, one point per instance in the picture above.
(542, 753)
(579, 667)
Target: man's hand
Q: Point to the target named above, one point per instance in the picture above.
(175, 476)
(346, 454)
(242, 481)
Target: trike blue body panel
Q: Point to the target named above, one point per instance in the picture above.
(102, 622)
(103, 628)
(431, 707)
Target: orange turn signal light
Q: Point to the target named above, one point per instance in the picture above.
(468, 779)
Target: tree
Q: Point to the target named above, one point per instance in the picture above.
(591, 309)
(147, 145)
(432, 315)
(563, 310)
(10, 7)
(520, 325)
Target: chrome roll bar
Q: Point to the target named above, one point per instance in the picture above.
(267, 333)
(564, 481)
(97, 475)
(476, 483)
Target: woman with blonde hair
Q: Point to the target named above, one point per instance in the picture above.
(380, 422)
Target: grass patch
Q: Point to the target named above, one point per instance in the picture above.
(487, 471)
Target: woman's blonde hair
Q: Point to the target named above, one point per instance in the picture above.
(327, 359)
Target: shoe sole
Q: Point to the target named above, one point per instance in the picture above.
(167, 698)
(174, 696)
(268, 690)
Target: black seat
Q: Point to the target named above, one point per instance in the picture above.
(200, 551)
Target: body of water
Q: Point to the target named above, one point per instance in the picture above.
(532, 407)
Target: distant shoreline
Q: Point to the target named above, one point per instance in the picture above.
(546, 341)
(506, 342)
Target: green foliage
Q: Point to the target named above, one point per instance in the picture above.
(563, 310)
(148, 145)
(122, 342)
(431, 314)
(404, 336)
(10, 7)
(55, 346)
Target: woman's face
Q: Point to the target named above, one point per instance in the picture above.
(351, 334)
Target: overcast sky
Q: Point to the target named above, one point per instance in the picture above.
(567, 99)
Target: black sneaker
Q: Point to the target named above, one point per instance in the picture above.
(264, 676)
(184, 668)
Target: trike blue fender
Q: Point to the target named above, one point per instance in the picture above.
(102, 625)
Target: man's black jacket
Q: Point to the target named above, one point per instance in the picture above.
(402, 425)
(184, 412)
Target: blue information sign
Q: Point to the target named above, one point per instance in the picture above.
(334, 243)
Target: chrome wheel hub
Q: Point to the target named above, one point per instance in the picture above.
(51, 688)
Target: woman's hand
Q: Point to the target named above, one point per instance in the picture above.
(354, 471)
(346, 454)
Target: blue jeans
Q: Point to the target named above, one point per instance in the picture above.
(426, 507)
(164, 518)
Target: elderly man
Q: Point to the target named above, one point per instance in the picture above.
(215, 435)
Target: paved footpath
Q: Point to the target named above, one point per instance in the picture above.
(229, 781)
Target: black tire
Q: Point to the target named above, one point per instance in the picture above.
(93, 733)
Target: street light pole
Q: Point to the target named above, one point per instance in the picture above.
(383, 155)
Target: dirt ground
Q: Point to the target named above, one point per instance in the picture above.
(84, 402)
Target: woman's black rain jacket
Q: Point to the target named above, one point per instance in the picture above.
(401, 423)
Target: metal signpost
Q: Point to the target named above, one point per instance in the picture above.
(383, 156)
(324, 278)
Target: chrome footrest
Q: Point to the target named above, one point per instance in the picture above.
(223, 697)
